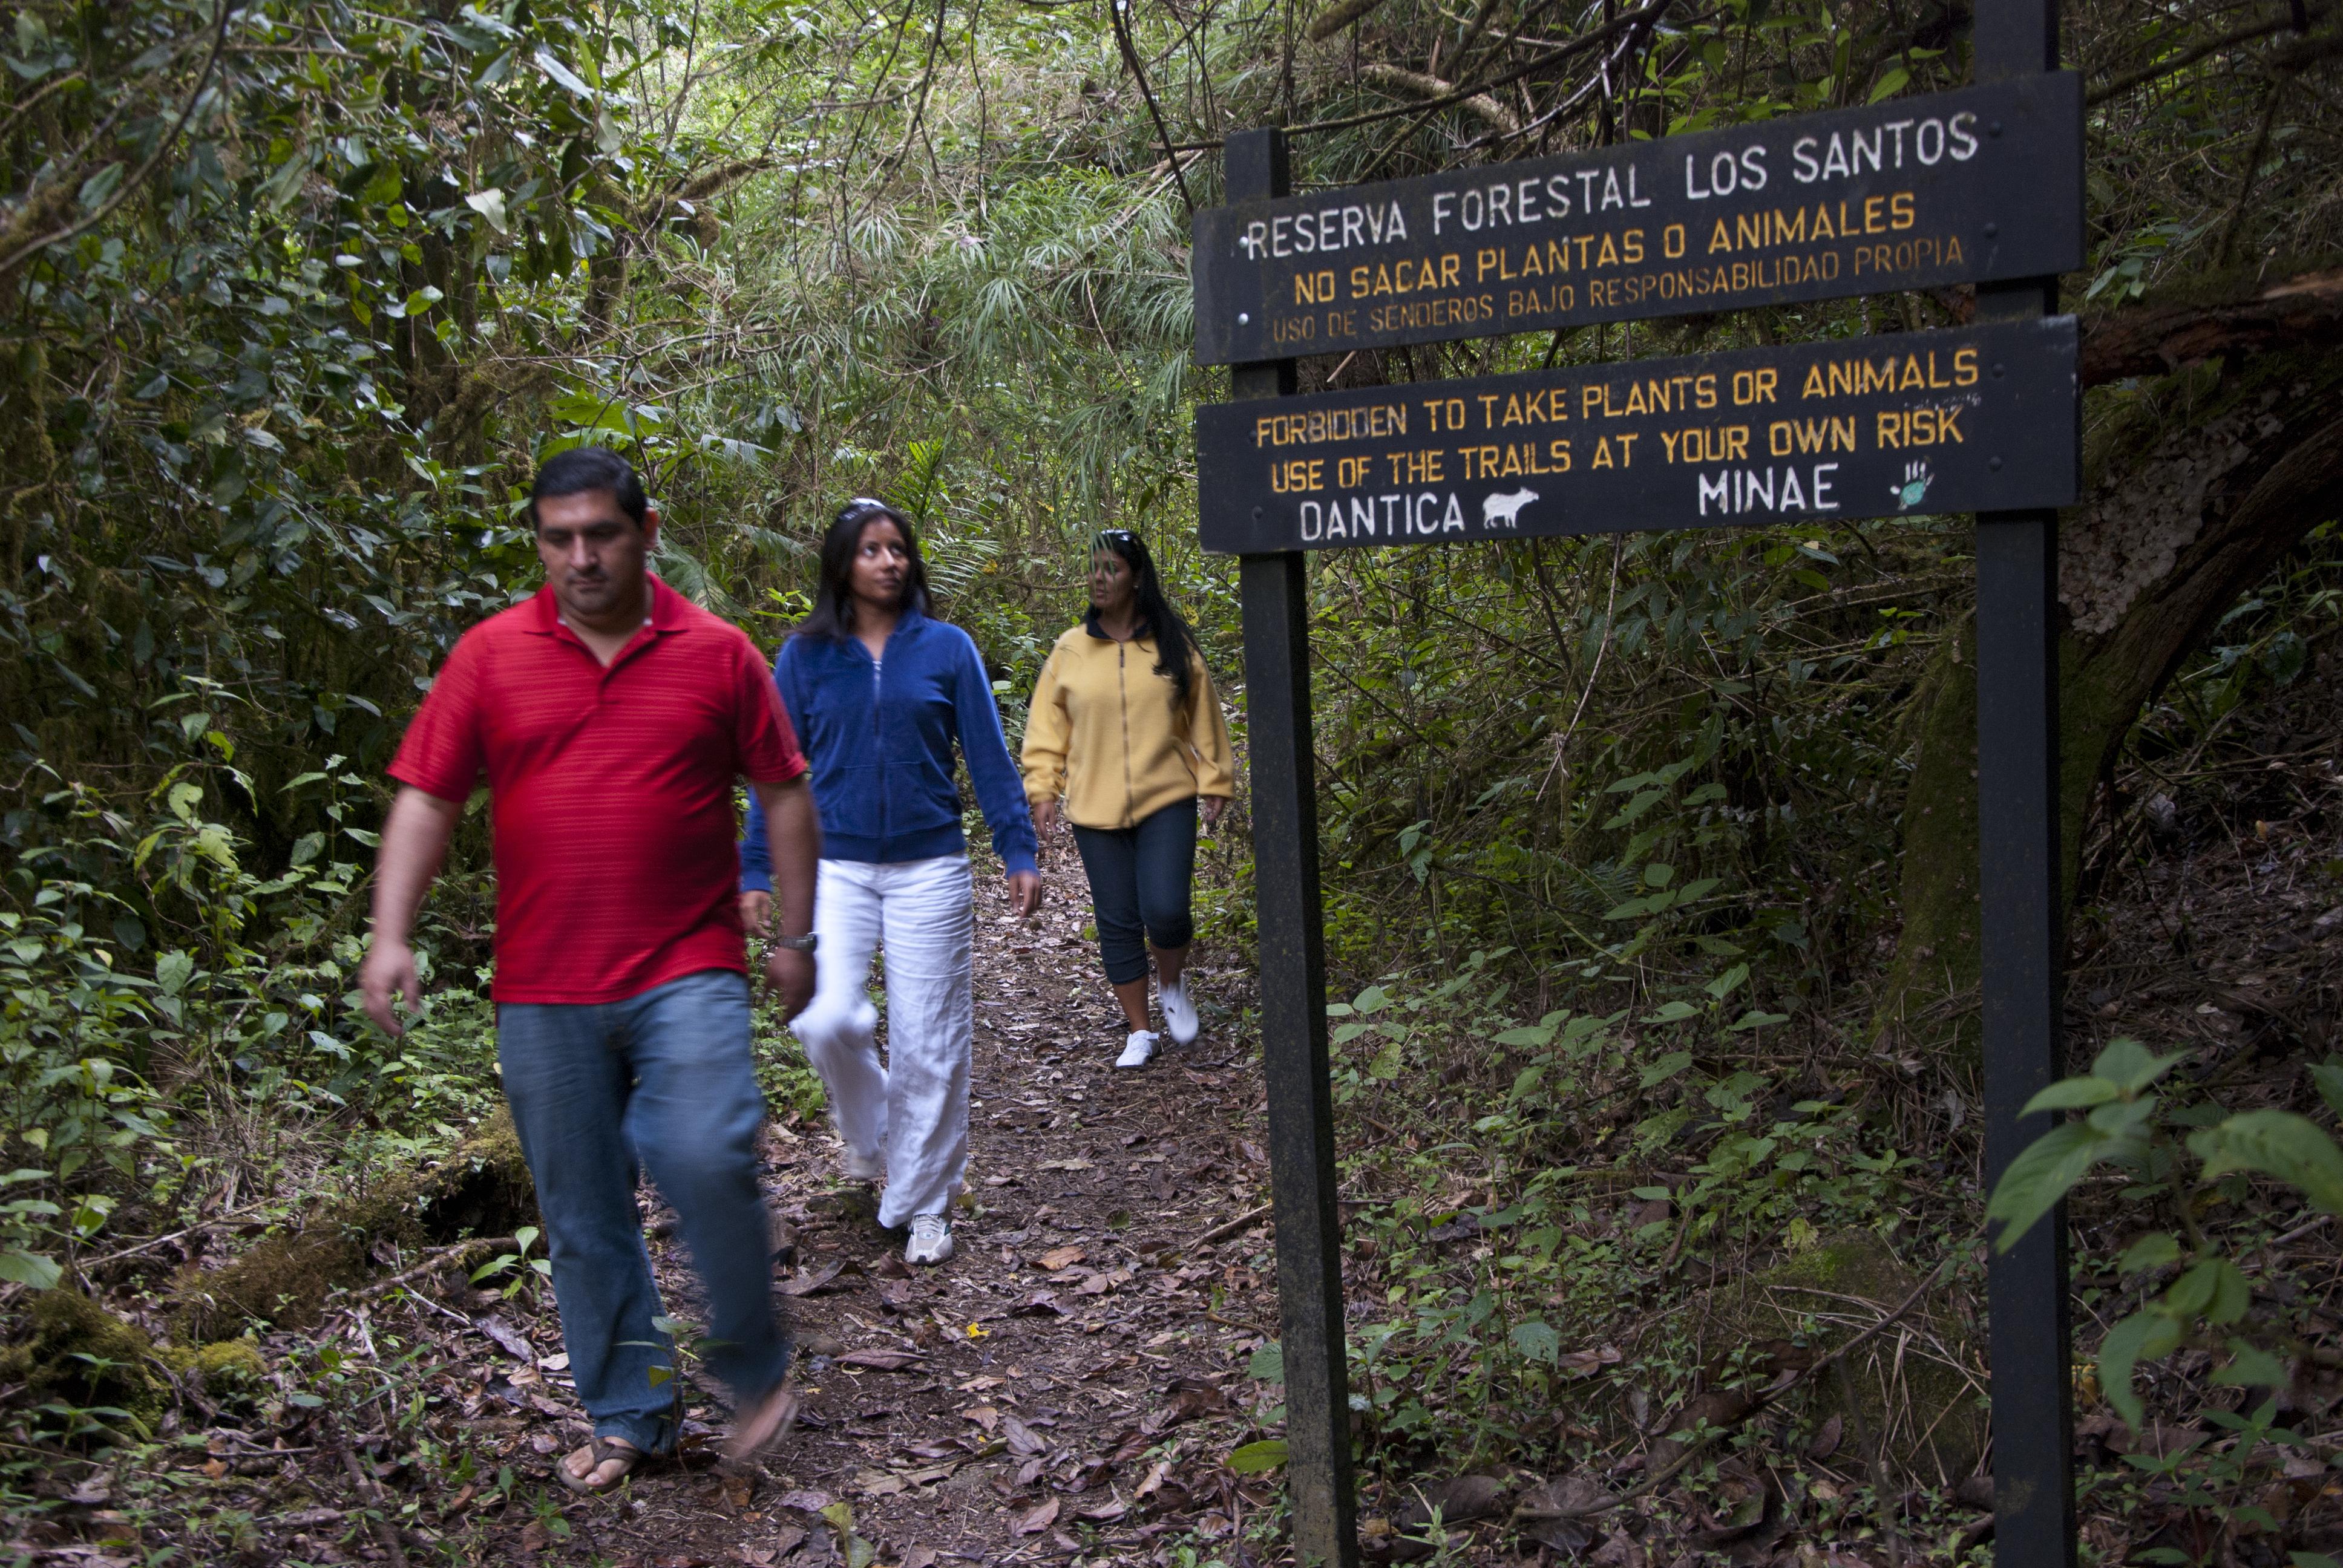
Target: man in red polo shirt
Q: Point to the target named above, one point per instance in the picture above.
(610, 719)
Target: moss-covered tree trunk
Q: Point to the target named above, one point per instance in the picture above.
(2198, 480)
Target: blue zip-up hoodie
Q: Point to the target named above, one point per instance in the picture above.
(880, 744)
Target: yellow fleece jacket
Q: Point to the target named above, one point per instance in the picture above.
(1109, 733)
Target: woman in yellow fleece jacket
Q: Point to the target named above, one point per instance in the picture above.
(1124, 725)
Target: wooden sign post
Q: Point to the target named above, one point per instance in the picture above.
(1980, 185)
(2029, 1299)
(1288, 917)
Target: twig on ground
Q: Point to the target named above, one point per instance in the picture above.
(1242, 1223)
(385, 1529)
(434, 1258)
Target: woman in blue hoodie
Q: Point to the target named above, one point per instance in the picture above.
(879, 693)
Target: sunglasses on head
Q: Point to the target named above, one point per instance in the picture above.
(862, 509)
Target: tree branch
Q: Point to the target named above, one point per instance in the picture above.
(169, 139)
(1139, 74)
(2246, 316)
(1423, 85)
(2119, 85)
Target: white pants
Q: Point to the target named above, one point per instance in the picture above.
(915, 1108)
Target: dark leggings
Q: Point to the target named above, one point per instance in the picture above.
(1139, 886)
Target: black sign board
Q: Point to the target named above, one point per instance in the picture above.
(1977, 418)
(1977, 185)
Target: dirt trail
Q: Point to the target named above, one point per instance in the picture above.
(1067, 1384)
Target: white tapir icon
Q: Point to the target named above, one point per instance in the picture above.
(1507, 507)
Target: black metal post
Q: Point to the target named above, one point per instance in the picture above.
(1293, 991)
(2021, 935)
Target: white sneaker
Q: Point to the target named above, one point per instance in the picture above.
(1179, 1013)
(1137, 1049)
(862, 1167)
(930, 1239)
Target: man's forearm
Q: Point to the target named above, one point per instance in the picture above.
(793, 844)
(414, 842)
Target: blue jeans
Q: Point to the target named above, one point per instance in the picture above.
(667, 1077)
(1140, 878)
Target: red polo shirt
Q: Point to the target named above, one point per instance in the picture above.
(611, 791)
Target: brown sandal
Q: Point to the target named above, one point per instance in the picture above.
(776, 1413)
(604, 1452)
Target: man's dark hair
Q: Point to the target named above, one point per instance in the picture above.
(583, 469)
(832, 617)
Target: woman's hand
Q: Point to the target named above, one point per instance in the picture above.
(1024, 893)
(756, 913)
(1213, 806)
(1045, 817)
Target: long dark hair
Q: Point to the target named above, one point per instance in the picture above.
(832, 615)
(1176, 654)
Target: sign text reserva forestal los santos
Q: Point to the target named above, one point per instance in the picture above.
(1976, 183)
(1966, 419)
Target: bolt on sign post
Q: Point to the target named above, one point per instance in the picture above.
(1981, 185)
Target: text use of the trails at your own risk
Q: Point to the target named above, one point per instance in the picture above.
(1976, 183)
(1973, 418)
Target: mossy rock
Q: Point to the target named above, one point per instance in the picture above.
(1923, 1413)
(82, 1355)
(481, 1187)
(226, 1369)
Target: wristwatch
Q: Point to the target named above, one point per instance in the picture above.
(804, 944)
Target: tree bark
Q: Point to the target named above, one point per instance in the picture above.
(2199, 481)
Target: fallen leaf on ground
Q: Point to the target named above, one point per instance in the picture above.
(1587, 1363)
(805, 1502)
(1463, 1497)
(1021, 1438)
(1065, 1165)
(787, 1541)
(892, 1267)
(979, 1385)
(1042, 1303)
(1105, 1513)
(812, 1283)
(1573, 1495)
(984, 1415)
(1029, 1471)
(881, 1360)
(1058, 1258)
(1154, 1481)
(1566, 1537)
(1191, 1399)
(1825, 1442)
(536, 1537)
(510, 1338)
(1039, 1520)
(919, 1557)
(878, 1483)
